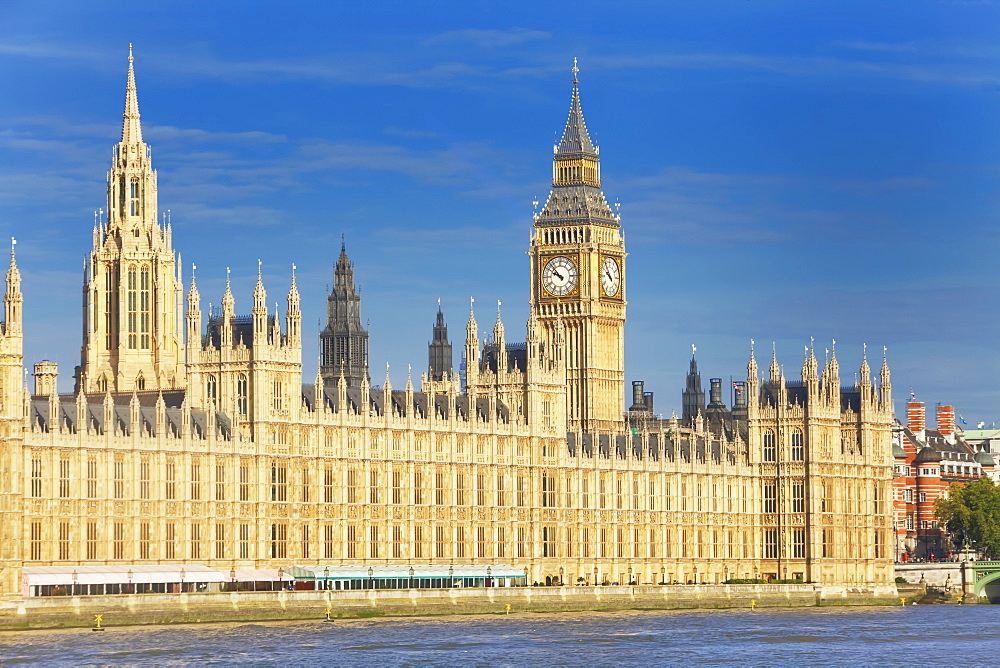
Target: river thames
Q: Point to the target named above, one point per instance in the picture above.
(914, 635)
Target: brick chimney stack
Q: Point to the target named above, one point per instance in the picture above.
(946, 422)
(915, 417)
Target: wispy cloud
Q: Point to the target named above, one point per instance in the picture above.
(171, 133)
(359, 68)
(695, 207)
(487, 39)
(395, 131)
(877, 46)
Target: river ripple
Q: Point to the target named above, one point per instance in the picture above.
(914, 635)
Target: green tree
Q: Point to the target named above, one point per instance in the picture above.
(971, 513)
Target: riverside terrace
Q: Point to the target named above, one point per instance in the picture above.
(191, 578)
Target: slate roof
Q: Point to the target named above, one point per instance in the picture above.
(65, 415)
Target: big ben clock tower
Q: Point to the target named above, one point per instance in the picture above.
(578, 278)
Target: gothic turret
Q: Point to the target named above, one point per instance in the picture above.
(293, 316)
(13, 299)
(885, 384)
(499, 343)
(193, 317)
(344, 342)
(12, 352)
(259, 311)
(471, 347)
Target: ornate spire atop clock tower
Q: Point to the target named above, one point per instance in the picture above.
(576, 139)
(576, 174)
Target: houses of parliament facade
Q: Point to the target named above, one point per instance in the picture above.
(191, 438)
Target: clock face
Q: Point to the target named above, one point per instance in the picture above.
(611, 276)
(559, 276)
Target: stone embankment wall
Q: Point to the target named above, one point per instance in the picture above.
(67, 611)
(942, 575)
(934, 574)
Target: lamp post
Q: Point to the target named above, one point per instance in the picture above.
(326, 577)
(182, 579)
(663, 575)
(130, 574)
(489, 576)
(281, 577)
(451, 576)
(630, 575)
(232, 578)
(595, 576)
(75, 578)
(371, 577)
(411, 577)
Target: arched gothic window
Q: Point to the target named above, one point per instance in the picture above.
(133, 197)
(131, 307)
(798, 451)
(241, 395)
(144, 309)
(770, 447)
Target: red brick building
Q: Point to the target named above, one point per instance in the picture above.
(927, 462)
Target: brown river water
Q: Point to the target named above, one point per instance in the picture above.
(914, 635)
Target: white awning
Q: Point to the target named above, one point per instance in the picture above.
(260, 575)
(119, 574)
(360, 572)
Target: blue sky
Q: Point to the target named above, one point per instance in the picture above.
(786, 170)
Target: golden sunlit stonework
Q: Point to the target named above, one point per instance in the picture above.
(194, 441)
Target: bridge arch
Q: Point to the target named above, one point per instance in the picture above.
(991, 576)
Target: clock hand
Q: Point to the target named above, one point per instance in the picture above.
(557, 274)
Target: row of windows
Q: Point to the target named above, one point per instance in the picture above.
(770, 452)
(242, 392)
(421, 487)
(281, 540)
(138, 308)
(908, 496)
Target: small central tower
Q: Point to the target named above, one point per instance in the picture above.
(439, 352)
(578, 279)
(343, 342)
(132, 285)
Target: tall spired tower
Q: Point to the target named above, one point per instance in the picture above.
(578, 277)
(344, 341)
(132, 336)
